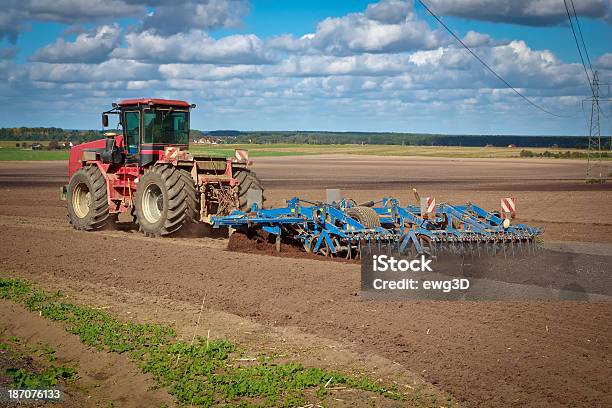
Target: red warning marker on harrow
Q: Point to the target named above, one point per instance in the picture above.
(428, 207)
(241, 154)
(171, 153)
(508, 208)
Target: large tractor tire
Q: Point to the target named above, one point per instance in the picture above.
(364, 215)
(166, 201)
(248, 181)
(87, 199)
(191, 195)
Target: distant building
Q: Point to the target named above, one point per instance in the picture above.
(207, 140)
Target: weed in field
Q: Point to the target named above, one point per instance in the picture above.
(204, 373)
(28, 378)
(595, 181)
(48, 353)
(23, 378)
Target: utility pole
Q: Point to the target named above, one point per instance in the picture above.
(594, 171)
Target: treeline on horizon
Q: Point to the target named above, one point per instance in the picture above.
(318, 137)
(407, 139)
(44, 134)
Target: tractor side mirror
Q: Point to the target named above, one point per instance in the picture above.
(104, 120)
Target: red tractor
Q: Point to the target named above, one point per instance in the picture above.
(147, 171)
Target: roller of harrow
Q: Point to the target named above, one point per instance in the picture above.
(344, 229)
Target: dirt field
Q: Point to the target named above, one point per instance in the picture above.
(485, 354)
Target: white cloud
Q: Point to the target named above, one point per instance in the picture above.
(209, 71)
(162, 16)
(90, 47)
(8, 52)
(287, 42)
(476, 39)
(389, 11)
(15, 15)
(355, 65)
(527, 12)
(604, 61)
(10, 21)
(76, 11)
(387, 27)
(175, 17)
(515, 61)
(194, 47)
(111, 70)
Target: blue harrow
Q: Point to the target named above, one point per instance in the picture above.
(344, 228)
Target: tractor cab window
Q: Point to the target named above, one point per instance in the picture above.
(166, 126)
(132, 131)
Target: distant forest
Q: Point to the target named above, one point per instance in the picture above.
(314, 137)
(42, 134)
(408, 139)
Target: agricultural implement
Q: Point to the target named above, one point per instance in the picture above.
(345, 229)
(146, 171)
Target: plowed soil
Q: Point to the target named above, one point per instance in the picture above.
(485, 354)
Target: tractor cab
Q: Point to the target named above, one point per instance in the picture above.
(150, 126)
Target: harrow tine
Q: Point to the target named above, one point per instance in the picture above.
(350, 255)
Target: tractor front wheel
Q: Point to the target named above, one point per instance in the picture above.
(165, 201)
(87, 199)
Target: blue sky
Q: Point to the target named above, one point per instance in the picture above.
(316, 65)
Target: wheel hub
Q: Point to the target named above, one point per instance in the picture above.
(152, 203)
(81, 200)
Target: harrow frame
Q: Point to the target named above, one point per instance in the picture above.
(328, 229)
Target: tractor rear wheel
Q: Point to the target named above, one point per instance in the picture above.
(248, 181)
(364, 215)
(165, 201)
(87, 199)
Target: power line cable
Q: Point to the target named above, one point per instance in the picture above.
(535, 105)
(578, 46)
(586, 52)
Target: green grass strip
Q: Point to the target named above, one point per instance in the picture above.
(205, 373)
(50, 374)
(14, 154)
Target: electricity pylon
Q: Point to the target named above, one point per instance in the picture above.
(594, 171)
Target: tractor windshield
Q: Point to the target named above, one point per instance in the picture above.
(166, 126)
